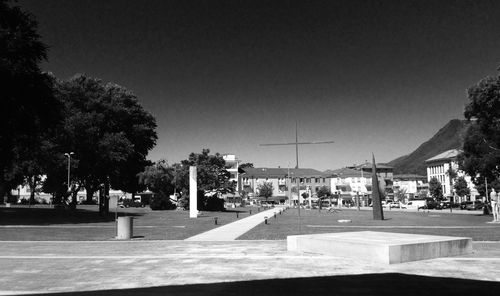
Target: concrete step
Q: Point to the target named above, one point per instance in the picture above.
(382, 247)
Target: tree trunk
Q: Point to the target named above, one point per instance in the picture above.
(3, 197)
(90, 194)
(32, 185)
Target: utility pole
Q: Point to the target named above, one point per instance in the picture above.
(297, 177)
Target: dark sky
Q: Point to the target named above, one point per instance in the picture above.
(374, 76)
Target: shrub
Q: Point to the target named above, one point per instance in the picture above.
(161, 201)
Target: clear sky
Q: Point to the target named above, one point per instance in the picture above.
(373, 76)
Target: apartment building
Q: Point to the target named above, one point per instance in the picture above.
(439, 166)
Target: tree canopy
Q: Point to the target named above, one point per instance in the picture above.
(461, 188)
(265, 189)
(435, 189)
(27, 104)
(481, 149)
(107, 129)
(212, 175)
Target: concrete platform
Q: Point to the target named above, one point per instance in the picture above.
(382, 247)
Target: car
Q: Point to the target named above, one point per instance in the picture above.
(464, 204)
(477, 205)
(397, 205)
(416, 204)
(446, 205)
(430, 205)
(131, 203)
(443, 205)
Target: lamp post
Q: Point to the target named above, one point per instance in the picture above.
(68, 155)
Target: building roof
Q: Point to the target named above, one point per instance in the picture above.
(409, 177)
(368, 166)
(348, 173)
(282, 173)
(449, 154)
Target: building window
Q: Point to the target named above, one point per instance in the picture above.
(308, 180)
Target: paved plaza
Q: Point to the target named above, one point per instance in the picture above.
(214, 263)
(53, 267)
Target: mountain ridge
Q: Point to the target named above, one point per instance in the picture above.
(448, 137)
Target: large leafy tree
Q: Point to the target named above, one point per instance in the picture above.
(212, 179)
(481, 150)
(159, 178)
(109, 132)
(461, 188)
(27, 104)
(435, 188)
(265, 190)
(212, 176)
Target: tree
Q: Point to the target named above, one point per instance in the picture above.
(461, 188)
(400, 194)
(108, 130)
(435, 189)
(324, 191)
(265, 190)
(481, 148)
(27, 104)
(212, 178)
(159, 178)
(246, 165)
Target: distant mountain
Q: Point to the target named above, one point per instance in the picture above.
(448, 137)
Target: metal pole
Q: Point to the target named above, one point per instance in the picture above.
(298, 202)
(69, 168)
(296, 146)
(486, 187)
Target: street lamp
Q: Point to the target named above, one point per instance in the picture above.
(68, 155)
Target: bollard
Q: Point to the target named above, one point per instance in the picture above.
(265, 220)
(250, 212)
(237, 215)
(215, 220)
(280, 212)
(124, 228)
(274, 215)
(258, 209)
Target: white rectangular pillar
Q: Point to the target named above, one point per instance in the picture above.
(193, 191)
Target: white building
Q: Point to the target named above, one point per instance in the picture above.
(409, 184)
(438, 167)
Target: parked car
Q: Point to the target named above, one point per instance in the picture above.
(416, 204)
(429, 205)
(463, 205)
(132, 203)
(477, 205)
(397, 205)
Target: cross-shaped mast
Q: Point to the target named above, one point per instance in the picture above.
(297, 143)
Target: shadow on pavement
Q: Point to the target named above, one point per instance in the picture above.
(48, 216)
(367, 284)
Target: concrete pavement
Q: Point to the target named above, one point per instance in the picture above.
(235, 229)
(56, 267)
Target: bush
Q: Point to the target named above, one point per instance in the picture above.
(92, 202)
(161, 201)
(183, 202)
(213, 203)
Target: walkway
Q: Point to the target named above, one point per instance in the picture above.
(235, 229)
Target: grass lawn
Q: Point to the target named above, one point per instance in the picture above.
(46, 223)
(472, 225)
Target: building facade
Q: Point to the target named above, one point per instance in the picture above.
(408, 186)
(439, 167)
(284, 182)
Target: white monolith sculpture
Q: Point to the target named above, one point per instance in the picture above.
(193, 191)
